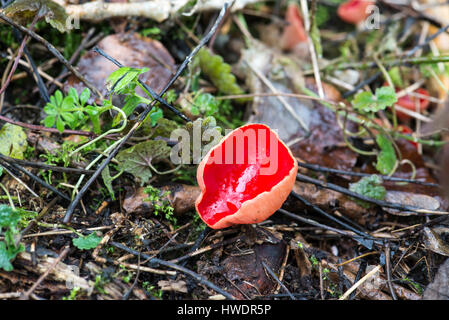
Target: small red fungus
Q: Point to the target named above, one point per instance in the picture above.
(354, 11)
(245, 178)
(409, 102)
(294, 32)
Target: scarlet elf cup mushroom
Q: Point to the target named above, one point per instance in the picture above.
(245, 178)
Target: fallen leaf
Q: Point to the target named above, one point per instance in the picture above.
(139, 159)
(13, 141)
(132, 50)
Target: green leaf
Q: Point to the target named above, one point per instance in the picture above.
(124, 80)
(84, 96)
(9, 218)
(218, 72)
(367, 102)
(155, 115)
(5, 258)
(386, 97)
(60, 124)
(13, 141)
(137, 159)
(88, 242)
(24, 11)
(107, 180)
(386, 159)
(395, 75)
(371, 187)
(49, 121)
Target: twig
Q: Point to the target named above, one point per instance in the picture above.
(142, 117)
(286, 105)
(54, 51)
(273, 275)
(153, 94)
(360, 282)
(37, 179)
(388, 270)
(45, 166)
(27, 294)
(316, 167)
(194, 275)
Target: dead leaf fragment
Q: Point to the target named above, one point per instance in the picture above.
(439, 288)
(132, 50)
(175, 286)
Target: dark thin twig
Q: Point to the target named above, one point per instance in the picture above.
(329, 216)
(142, 117)
(45, 166)
(193, 253)
(53, 130)
(362, 268)
(39, 81)
(19, 55)
(360, 239)
(388, 269)
(362, 84)
(273, 275)
(397, 206)
(54, 51)
(427, 41)
(153, 94)
(316, 167)
(194, 275)
(195, 246)
(35, 178)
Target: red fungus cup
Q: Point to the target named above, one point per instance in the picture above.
(294, 32)
(245, 178)
(411, 103)
(354, 11)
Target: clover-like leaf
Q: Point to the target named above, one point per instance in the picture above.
(24, 11)
(13, 141)
(140, 158)
(87, 242)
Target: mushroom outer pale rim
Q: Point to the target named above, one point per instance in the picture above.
(260, 207)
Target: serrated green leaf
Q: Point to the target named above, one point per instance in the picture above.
(8, 217)
(386, 159)
(370, 186)
(13, 141)
(88, 242)
(367, 102)
(137, 159)
(386, 97)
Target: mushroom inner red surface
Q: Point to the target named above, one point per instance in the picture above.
(231, 183)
